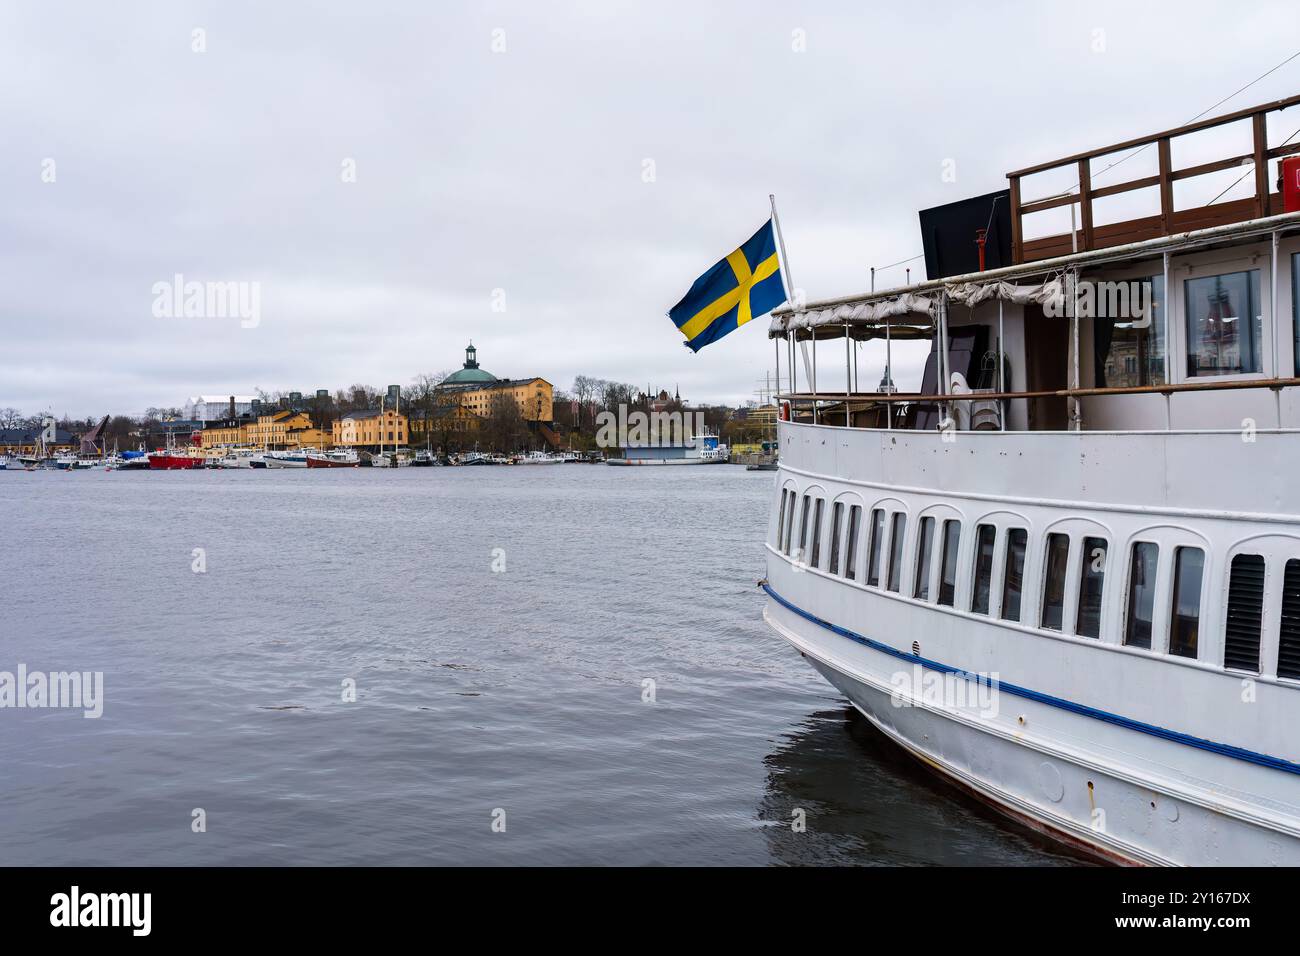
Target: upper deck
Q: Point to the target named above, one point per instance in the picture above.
(1186, 320)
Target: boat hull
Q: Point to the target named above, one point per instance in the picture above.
(330, 463)
(638, 462)
(174, 462)
(1143, 756)
(1109, 807)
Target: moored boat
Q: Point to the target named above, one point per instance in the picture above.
(333, 459)
(285, 459)
(705, 448)
(176, 460)
(1064, 571)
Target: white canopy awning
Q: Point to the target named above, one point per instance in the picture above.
(908, 314)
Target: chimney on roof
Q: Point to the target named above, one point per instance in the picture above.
(232, 406)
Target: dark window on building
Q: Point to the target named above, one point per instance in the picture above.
(985, 536)
(925, 543)
(1245, 613)
(1058, 558)
(1092, 580)
(1141, 594)
(814, 556)
(851, 552)
(876, 546)
(1185, 622)
(1013, 577)
(837, 519)
(896, 550)
(948, 563)
(1288, 648)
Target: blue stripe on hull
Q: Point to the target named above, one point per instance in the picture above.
(1226, 750)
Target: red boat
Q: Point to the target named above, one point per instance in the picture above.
(172, 461)
(331, 460)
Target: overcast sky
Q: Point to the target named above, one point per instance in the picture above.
(523, 170)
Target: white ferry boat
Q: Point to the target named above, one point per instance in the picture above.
(703, 449)
(1066, 571)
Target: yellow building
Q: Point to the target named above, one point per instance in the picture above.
(442, 422)
(371, 428)
(276, 431)
(227, 433)
(474, 389)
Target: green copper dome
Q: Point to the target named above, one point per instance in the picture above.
(471, 373)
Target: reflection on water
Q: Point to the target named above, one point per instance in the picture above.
(868, 802)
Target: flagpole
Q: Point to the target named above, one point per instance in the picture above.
(788, 279)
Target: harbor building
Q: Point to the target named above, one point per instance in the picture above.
(474, 389)
(23, 441)
(276, 430)
(371, 428)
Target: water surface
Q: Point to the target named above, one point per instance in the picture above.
(478, 690)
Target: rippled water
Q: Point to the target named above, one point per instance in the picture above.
(476, 690)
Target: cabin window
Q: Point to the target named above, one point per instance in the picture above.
(985, 535)
(1134, 317)
(1092, 579)
(1288, 648)
(851, 551)
(789, 522)
(1245, 613)
(877, 544)
(899, 526)
(814, 556)
(924, 544)
(803, 528)
(1185, 626)
(1058, 558)
(1013, 576)
(948, 563)
(780, 521)
(1224, 324)
(1141, 594)
(837, 518)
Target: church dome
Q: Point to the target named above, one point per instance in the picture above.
(471, 374)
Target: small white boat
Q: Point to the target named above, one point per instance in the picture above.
(285, 459)
(539, 458)
(237, 458)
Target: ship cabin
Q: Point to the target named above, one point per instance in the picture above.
(1186, 317)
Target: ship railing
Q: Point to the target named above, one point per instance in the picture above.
(1089, 236)
(837, 409)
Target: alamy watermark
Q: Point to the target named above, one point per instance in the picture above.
(652, 429)
(953, 691)
(179, 299)
(83, 690)
(1127, 301)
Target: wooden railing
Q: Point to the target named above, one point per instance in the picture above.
(1090, 236)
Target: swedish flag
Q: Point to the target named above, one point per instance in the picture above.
(744, 284)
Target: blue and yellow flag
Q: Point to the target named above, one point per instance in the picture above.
(745, 284)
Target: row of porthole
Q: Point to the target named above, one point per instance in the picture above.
(1245, 604)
